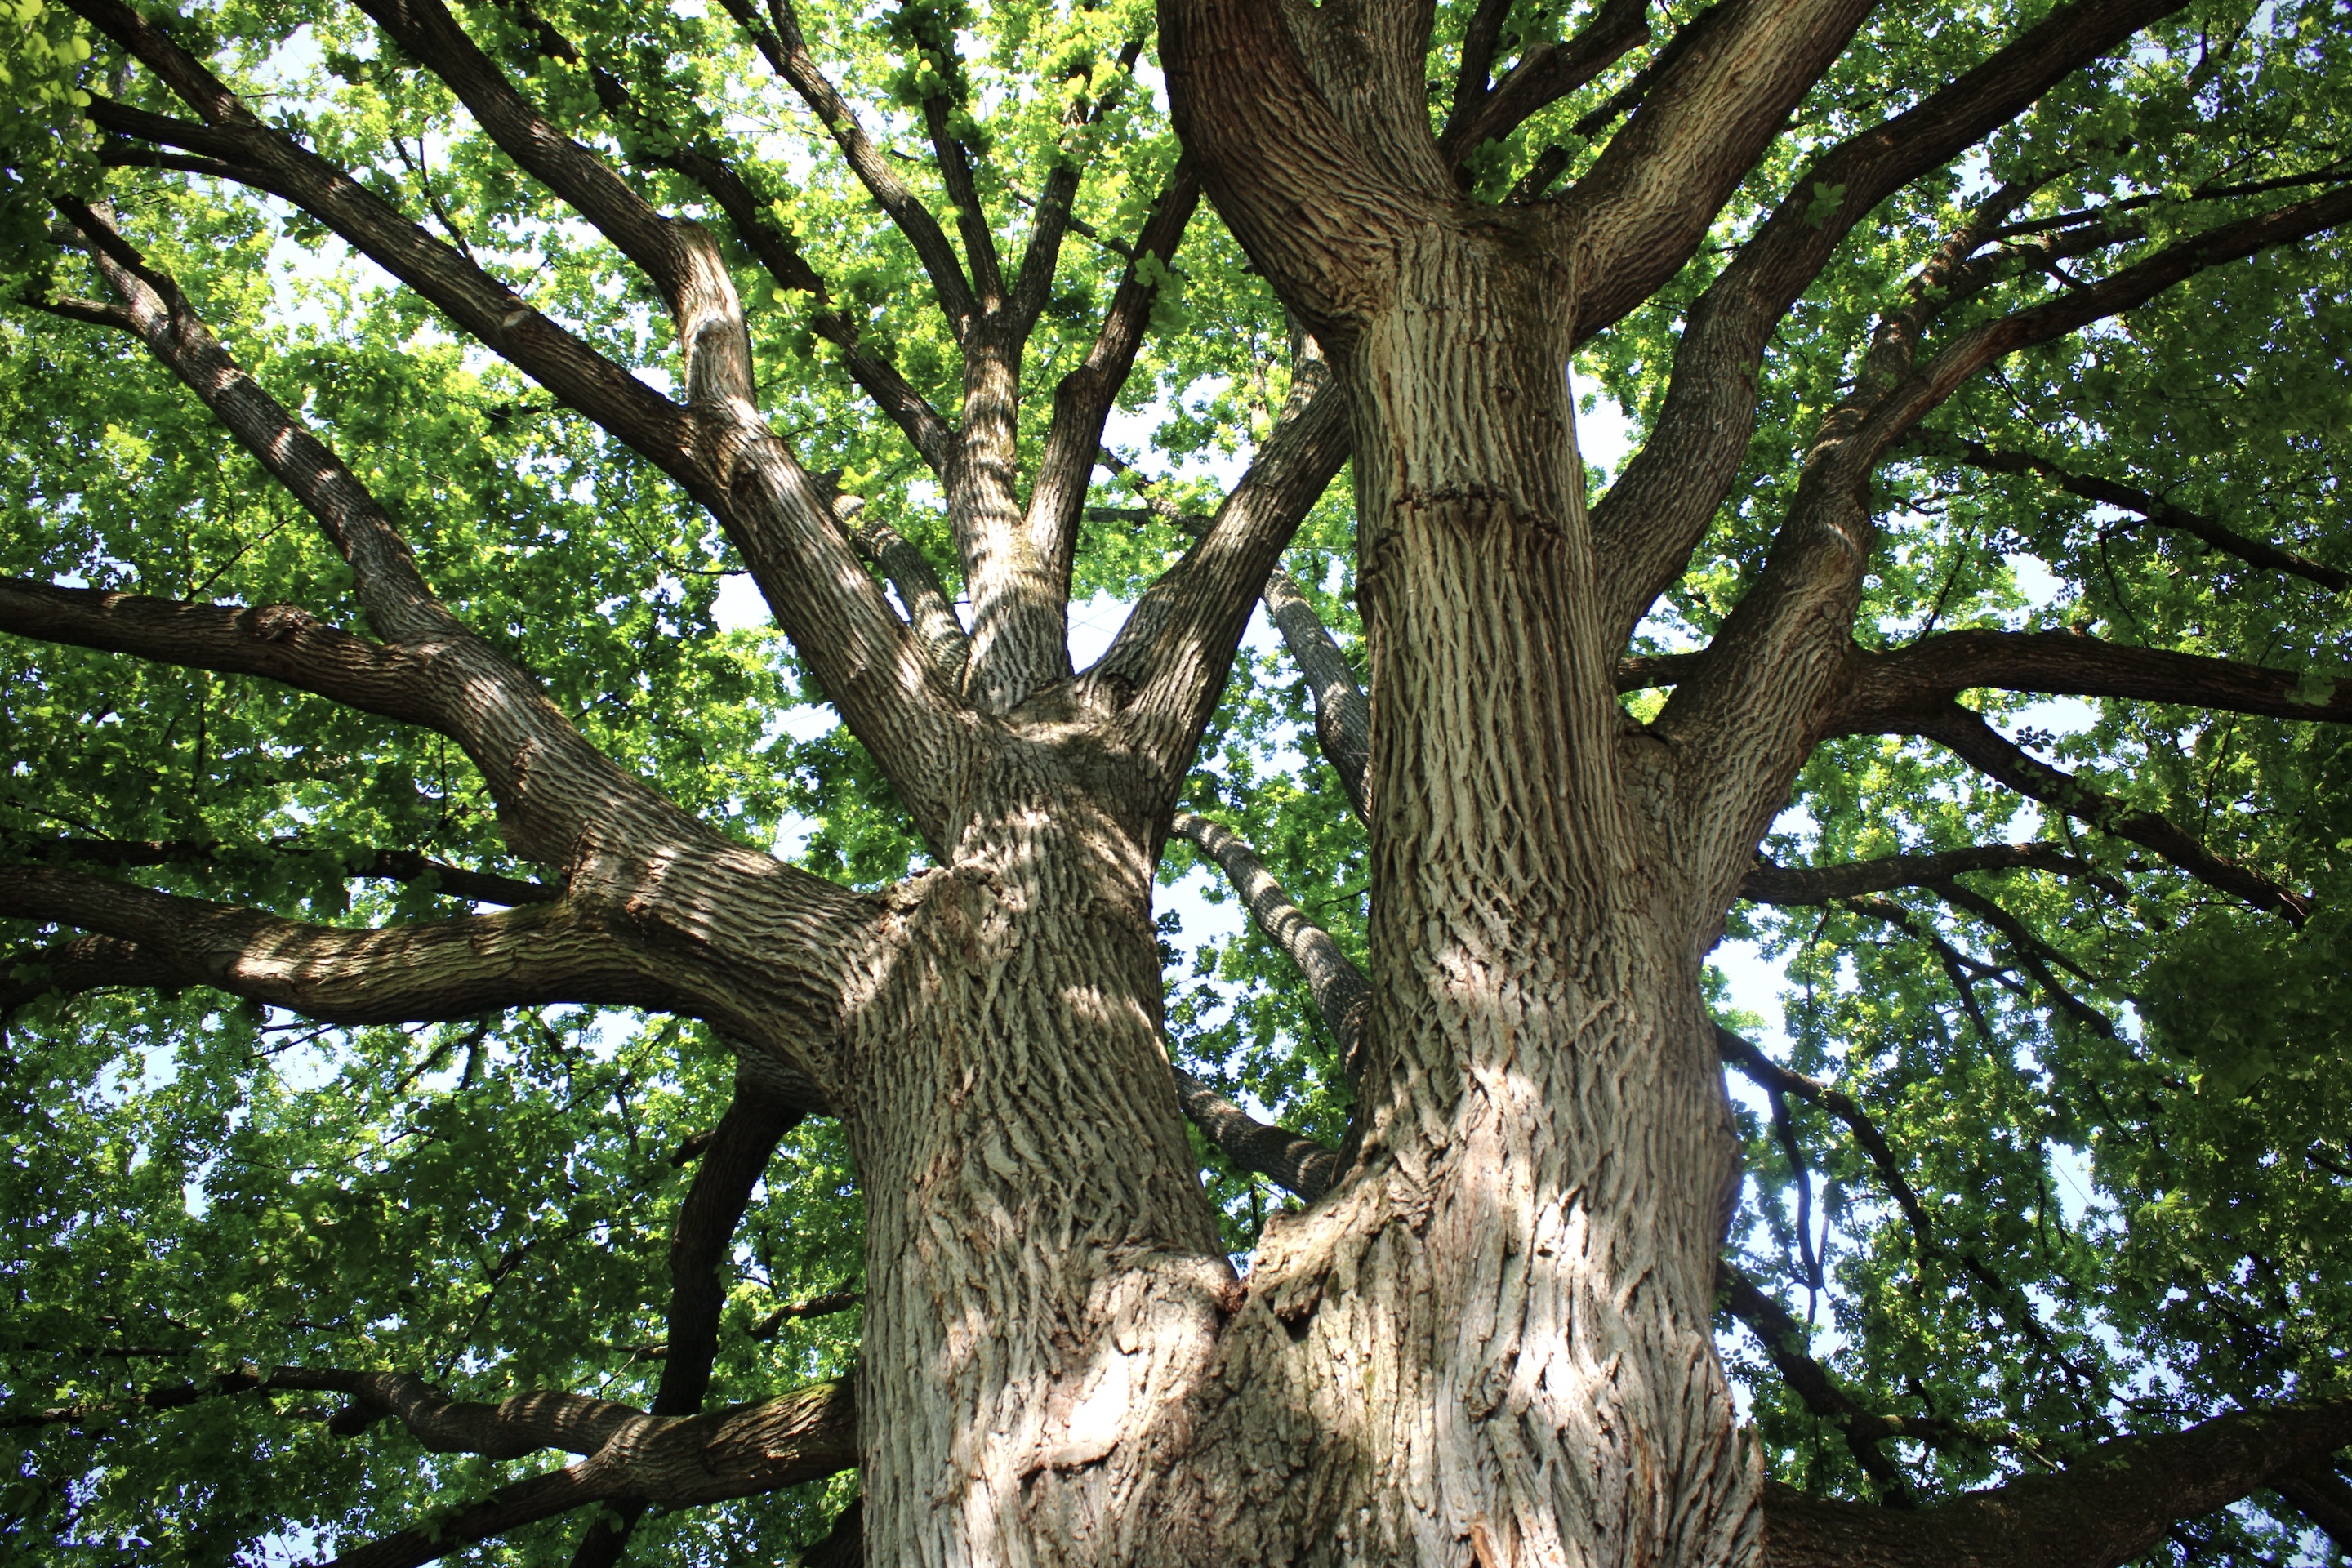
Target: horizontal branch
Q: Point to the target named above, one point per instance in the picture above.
(1813, 885)
(279, 642)
(1966, 736)
(2154, 507)
(383, 865)
(745, 1450)
(2112, 1504)
(458, 968)
(2066, 664)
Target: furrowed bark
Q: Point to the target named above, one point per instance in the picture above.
(1343, 714)
(1340, 994)
(2108, 1507)
(1020, 612)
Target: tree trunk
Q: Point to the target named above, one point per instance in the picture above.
(1492, 1344)
(1498, 1332)
(1044, 1271)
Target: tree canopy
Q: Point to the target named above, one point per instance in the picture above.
(2051, 1152)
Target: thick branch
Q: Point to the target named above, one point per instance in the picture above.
(2154, 507)
(1343, 714)
(1545, 75)
(1769, 683)
(1811, 885)
(2318, 1493)
(1658, 509)
(1083, 400)
(278, 642)
(2108, 1507)
(458, 968)
(2066, 664)
(1296, 1164)
(1176, 649)
(1649, 199)
(1341, 993)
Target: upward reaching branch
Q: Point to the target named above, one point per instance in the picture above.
(1658, 509)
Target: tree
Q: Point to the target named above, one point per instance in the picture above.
(550, 316)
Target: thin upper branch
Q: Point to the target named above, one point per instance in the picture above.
(773, 245)
(386, 865)
(1784, 1340)
(1808, 885)
(716, 445)
(2154, 507)
(1969, 737)
(787, 51)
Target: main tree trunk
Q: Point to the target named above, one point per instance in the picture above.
(1492, 1344)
